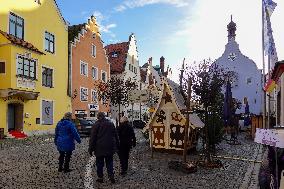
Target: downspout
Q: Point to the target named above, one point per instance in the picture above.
(69, 86)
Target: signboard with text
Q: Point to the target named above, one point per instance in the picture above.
(80, 112)
(93, 107)
(271, 137)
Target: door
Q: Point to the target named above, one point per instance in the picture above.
(11, 117)
(15, 117)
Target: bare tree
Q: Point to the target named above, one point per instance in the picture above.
(207, 82)
(116, 91)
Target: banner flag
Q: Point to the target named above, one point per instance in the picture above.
(269, 45)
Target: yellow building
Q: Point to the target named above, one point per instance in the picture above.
(33, 66)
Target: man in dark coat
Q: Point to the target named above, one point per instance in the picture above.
(127, 140)
(104, 143)
(65, 135)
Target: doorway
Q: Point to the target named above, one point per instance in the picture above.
(15, 117)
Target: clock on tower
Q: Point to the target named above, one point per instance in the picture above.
(232, 56)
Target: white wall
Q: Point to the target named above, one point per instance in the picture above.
(132, 51)
(245, 68)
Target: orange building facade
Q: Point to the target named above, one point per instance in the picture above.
(88, 64)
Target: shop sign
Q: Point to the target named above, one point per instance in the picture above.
(25, 83)
(14, 98)
(93, 107)
(80, 112)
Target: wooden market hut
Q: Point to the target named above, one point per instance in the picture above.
(168, 123)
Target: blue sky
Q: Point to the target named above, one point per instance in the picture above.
(177, 29)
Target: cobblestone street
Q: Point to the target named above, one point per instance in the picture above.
(32, 163)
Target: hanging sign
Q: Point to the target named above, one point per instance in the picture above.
(271, 137)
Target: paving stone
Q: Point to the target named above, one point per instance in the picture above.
(32, 163)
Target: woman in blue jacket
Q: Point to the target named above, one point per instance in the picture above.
(65, 134)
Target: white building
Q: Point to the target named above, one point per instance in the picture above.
(248, 85)
(124, 63)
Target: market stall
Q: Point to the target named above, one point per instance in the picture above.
(168, 123)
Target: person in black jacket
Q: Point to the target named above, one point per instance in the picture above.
(103, 144)
(127, 140)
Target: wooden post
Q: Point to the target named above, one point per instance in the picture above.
(150, 127)
(140, 108)
(189, 83)
(150, 135)
(263, 74)
(119, 113)
(132, 113)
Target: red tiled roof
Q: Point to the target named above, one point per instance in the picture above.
(117, 64)
(20, 42)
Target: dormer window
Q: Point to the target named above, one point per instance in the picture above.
(114, 55)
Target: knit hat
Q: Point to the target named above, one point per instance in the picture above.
(68, 115)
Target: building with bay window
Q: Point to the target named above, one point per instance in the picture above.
(34, 66)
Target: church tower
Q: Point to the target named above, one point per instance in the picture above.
(231, 28)
(246, 87)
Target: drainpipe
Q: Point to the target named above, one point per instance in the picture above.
(69, 83)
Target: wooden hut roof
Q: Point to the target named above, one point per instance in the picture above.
(178, 102)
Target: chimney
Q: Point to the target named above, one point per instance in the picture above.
(162, 64)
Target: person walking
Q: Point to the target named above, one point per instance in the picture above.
(103, 144)
(65, 136)
(127, 141)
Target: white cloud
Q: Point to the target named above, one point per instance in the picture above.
(120, 8)
(203, 32)
(99, 16)
(104, 28)
(130, 4)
